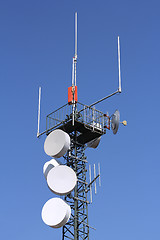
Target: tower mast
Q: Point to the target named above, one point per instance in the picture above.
(82, 126)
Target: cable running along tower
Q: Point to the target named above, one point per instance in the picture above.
(70, 130)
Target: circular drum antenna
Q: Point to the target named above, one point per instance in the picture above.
(49, 165)
(56, 213)
(115, 121)
(61, 180)
(57, 143)
(94, 143)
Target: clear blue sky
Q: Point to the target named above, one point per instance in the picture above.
(36, 49)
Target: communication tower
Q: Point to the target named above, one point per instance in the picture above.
(70, 130)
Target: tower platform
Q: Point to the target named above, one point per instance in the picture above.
(88, 122)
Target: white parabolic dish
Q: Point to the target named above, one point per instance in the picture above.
(94, 143)
(57, 143)
(49, 165)
(56, 212)
(61, 180)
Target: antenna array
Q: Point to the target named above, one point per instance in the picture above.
(70, 130)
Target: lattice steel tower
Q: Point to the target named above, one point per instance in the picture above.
(85, 125)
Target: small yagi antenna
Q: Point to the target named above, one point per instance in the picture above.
(94, 180)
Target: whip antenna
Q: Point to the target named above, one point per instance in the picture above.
(95, 186)
(99, 174)
(119, 67)
(75, 55)
(76, 35)
(90, 182)
(39, 107)
(73, 73)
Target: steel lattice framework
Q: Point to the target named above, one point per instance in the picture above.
(77, 227)
(83, 124)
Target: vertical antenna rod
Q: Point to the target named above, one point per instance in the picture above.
(39, 107)
(75, 56)
(90, 182)
(76, 35)
(119, 82)
(119, 67)
(99, 174)
(73, 73)
(95, 178)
